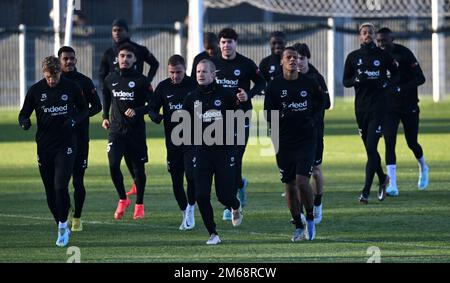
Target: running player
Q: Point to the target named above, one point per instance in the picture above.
(309, 70)
(170, 94)
(59, 106)
(235, 73)
(403, 106)
(207, 106)
(68, 60)
(366, 70)
(298, 102)
(127, 95)
(109, 63)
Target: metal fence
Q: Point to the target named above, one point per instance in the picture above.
(90, 43)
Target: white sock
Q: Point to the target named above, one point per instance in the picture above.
(391, 169)
(62, 225)
(422, 163)
(190, 207)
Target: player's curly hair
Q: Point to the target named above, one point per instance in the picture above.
(51, 64)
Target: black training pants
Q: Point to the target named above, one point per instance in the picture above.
(410, 123)
(370, 129)
(56, 169)
(219, 162)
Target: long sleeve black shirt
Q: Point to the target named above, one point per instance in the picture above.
(58, 109)
(92, 100)
(126, 89)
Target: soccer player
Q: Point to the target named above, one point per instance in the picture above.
(170, 94)
(270, 66)
(211, 45)
(235, 72)
(207, 106)
(403, 106)
(309, 70)
(298, 102)
(366, 71)
(127, 95)
(68, 61)
(109, 63)
(59, 106)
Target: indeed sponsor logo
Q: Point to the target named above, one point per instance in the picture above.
(227, 83)
(298, 105)
(123, 95)
(56, 110)
(210, 114)
(372, 74)
(175, 106)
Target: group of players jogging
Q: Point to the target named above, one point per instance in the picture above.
(207, 119)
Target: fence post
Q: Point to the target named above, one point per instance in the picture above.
(195, 33)
(56, 16)
(438, 47)
(69, 23)
(177, 39)
(22, 64)
(330, 58)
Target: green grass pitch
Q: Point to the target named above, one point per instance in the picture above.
(415, 227)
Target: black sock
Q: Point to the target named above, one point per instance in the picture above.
(309, 214)
(298, 222)
(317, 200)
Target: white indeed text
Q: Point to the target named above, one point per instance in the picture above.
(175, 106)
(227, 83)
(56, 110)
(372, 74)
(298, 106)
(210, 115)
(123, 95)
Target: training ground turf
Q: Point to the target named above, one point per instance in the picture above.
(414, 227)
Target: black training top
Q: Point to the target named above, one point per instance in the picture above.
(239, 73)
(170, 97)
(58, 109)
(405, 96)
(126, 89)
(208, 105)
(366, 69)
(270, 67)
(314, 74)
(300, 106)
(109, 61)
(92, 100)
(197, 59)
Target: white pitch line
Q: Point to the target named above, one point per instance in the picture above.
(336, 240)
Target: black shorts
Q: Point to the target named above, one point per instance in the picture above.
(81, 159)
(299, 161)
(127, 145)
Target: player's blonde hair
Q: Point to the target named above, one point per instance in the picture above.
(51, 64)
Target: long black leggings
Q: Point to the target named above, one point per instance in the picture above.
(180, 163)
(55, 169)
(119, 147)
(240, 150)
(219, 163)
(79, 168)
(370, 127)
(410, 123)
